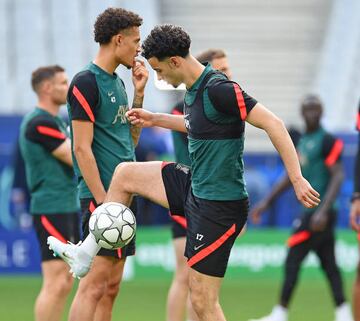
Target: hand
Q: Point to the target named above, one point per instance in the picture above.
(256, 212)
(306, 195)
(318, 221)
(355, 215)
(140, 117)
(140, 76)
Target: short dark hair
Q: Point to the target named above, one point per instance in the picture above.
(166, 41)
(311, 100)
(44, 73)
(112, 21)
(210, 54)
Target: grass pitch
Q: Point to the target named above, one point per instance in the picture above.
(145, 300)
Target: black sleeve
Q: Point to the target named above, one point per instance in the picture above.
(44, 131)
(228, 98)
(178, 108)
(332, 149)
(83, 96)
(295, 135)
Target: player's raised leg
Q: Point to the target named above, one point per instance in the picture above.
(143, 178)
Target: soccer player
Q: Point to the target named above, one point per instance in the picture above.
(179, 289)
(45, 147)
(355, 221)
(101, 139)
(320, 159)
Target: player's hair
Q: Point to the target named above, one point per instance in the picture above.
(210, 54)
(112, 21)
(311, 100)
(166, 41)
(41, 74)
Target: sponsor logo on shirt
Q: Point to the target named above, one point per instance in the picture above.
(121, 114)
(187, 121)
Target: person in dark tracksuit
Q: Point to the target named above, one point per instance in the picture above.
(320, 158)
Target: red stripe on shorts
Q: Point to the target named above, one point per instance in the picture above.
(179, 219)
(119, 252)
(51, 229)
(92, 207)
(212, 247)
(298, 238)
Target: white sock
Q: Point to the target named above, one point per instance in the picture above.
(89, 246)
(279, 312)
(343, 312)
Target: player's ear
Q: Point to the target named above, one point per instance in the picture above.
(174, 62)
(118, 39)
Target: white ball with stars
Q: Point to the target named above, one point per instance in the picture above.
(113, 225)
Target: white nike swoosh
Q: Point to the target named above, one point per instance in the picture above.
(198, 246)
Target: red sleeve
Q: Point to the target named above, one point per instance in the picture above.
(44, 131)
(229, 98)
(83, 96)
(332, 150)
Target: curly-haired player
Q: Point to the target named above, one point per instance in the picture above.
(101, 139)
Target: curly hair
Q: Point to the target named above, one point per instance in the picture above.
(112, 21)
(166, 41)
(41, 74)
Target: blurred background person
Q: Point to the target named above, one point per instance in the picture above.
(355, 220)
(45, 147)
(320, 159)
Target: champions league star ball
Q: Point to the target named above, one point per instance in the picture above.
(113, 225)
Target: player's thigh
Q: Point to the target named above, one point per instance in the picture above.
(142, 178)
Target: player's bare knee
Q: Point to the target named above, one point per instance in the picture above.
(112, 290)
(94, 291)
(122, 174)
(61, 287)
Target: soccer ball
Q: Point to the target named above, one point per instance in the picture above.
(113, 225)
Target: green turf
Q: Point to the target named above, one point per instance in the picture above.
(144, 300)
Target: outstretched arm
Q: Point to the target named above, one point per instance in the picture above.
(263, 118)
(143, 118)
(280, 186)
